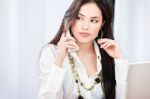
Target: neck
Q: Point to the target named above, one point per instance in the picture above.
(85, 48)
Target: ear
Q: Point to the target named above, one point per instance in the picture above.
(103, 23)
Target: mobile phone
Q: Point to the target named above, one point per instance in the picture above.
(74, 49)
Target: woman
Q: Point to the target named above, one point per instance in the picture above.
(96, 68)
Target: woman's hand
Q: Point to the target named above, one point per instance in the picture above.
(111, 47)
(65, 43)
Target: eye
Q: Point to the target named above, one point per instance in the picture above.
(79, 18)
(94, 21)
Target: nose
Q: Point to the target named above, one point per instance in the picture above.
(85, 25)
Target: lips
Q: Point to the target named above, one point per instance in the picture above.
(84, 34)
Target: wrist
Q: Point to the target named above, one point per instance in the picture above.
(58, 61)
(119, 56)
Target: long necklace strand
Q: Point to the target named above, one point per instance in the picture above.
(77, 78)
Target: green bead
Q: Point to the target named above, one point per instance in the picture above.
(80, 97)
(81, 84)
(97, 80)
(76, 80)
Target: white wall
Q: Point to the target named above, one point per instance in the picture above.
(25, 26)
(132, 21)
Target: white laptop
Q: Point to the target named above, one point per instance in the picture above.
(139, 81)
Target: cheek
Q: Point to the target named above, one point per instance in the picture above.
(74, 28)
(96, 30)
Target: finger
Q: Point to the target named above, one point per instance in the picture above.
(101, 41)
(71, 38)
(71, 43)
(73, 46)
(69, 46)
(108, 45)
(62, 36)
(105, 44)
(66, 39)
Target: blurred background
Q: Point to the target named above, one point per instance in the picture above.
(26, 25)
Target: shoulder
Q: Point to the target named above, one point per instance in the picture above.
(48, 51)
(49, 48)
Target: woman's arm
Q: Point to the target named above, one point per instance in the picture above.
(121, 72)
(121, 65)
(51, 76)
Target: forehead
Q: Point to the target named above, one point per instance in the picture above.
(90, 9)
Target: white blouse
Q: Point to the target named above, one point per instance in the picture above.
(58, 83)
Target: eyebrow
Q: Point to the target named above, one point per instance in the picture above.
(84, 15)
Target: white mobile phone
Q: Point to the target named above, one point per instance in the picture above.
(68, 33)
(71, 50)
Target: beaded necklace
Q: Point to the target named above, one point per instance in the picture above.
(78, 80)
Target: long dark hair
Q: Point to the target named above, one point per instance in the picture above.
(108, 65)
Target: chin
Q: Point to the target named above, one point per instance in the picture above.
(84, 40)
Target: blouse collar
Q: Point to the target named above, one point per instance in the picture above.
(96, 47)
(99, 67)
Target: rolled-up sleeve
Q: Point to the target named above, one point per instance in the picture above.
(121, 71)
(51, 76)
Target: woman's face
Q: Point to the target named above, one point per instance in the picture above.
(88, 23)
